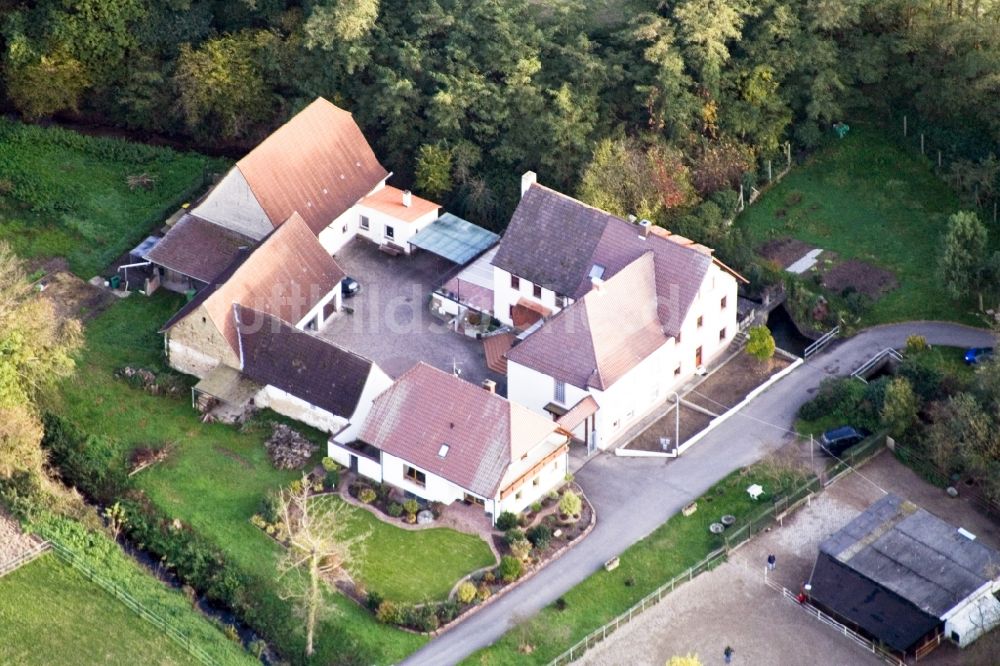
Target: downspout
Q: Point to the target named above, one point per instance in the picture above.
(239, 335)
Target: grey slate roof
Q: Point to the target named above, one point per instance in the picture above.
(300, 363)
(198, 248)
(550, 240)
(554, 240)
(914, 554)
(881, 613)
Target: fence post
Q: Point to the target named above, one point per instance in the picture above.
(921, 143)
(939, 159)
(904, 125)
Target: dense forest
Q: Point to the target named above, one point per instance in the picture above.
(643, 107)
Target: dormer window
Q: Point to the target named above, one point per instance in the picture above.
(597, 272)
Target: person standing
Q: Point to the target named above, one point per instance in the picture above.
(728, 654)
(771, 560)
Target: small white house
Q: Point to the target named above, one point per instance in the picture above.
(616, 315)
(443, 439)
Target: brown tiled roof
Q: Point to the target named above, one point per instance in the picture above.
(285, 276)
(496, 347)
(198, 248)
(599, 338)
(555, 240)
(427, 408)
(317, 164)
(276, 353)
(578, 413)
(389, 200)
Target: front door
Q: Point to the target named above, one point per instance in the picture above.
(354, 464)
(697, 357)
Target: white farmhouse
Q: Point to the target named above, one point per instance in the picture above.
(443, 439)
(615, 315)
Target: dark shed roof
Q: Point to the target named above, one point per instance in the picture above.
(297, 362)
(198, 248)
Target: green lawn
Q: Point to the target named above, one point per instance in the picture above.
(51, 614)
(670, 550)
(216, 477)
(866, 198)
(63, 194)
(411, 566)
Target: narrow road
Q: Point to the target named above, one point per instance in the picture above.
(634, 496)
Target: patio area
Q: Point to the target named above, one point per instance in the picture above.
(391, 322)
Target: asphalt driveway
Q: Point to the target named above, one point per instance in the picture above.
(634, 496)
(392, 324)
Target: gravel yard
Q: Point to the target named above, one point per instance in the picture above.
(13, 543)
(732, 606)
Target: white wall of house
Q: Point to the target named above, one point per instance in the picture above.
(379, 225)
(979, 613)
(534, 390)
(339, 231)
(189, 360)
(366, 466)
(314, 319)
(535, 489)
(296, 408)
(718, 322)
(636, 393)
(504, 295)
(436, 488)
(375, 384)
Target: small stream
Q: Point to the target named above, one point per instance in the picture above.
(786, 334)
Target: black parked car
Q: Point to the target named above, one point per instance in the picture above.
(835, 442)
(349, 287)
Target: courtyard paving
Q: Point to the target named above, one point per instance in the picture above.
(392, 324)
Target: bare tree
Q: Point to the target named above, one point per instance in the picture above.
(318, 550)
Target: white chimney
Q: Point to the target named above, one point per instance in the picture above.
(527, 180)
(645, 225)
(407, 198)
(490, 385)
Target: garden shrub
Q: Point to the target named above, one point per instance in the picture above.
(570, 504)
(483, 592)
(395, 509)
(367, 495)
(389, 612)
(422, 618)
(332, 479)
(836, 395)
(466, 592)
(411, 506)
(536, 506)
(448, 610)
(521, 549)
(437, 508)
(270, 507)
(510, 568)
(539, 536)
(329, 464)
(506, 520)
(916, 344)
(374, 600)
(512, 535)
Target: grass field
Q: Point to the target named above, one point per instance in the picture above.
(63, 194)
(868, 199)
(216, 477)
(412, 566)
(670, 550)
(51, 614)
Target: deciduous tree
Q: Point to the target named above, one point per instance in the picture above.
(963, 252)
